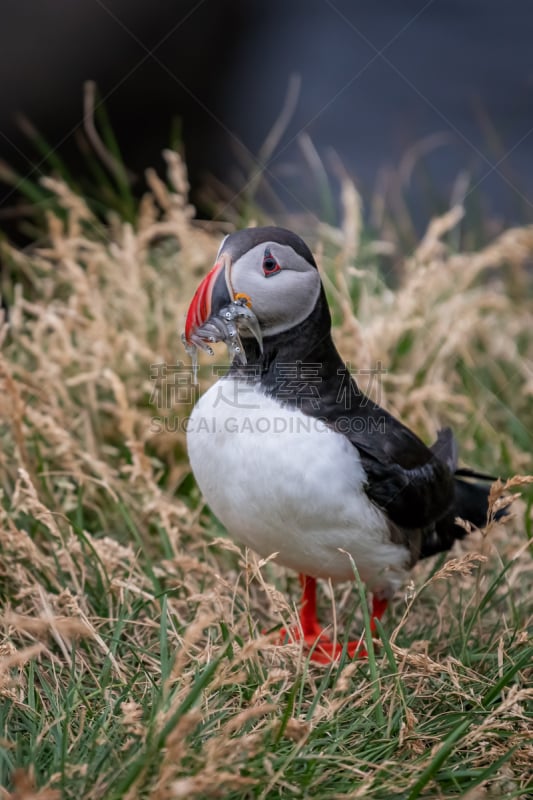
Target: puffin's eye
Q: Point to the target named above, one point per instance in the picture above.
(270, 265)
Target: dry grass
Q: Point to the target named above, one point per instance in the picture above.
(132, 658)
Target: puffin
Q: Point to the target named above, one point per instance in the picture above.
(296, 462)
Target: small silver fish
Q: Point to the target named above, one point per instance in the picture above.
(225, 326)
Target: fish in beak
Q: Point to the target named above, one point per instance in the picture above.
(218, 314)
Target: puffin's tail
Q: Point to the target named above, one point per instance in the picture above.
(471, 499)
(471, 504)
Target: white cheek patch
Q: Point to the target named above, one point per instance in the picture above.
(281, 300)
(298, 303)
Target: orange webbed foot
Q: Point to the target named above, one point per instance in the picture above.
(323, 649)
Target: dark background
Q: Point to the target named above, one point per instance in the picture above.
(431, 100)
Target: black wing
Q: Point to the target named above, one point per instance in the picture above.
(413, 483)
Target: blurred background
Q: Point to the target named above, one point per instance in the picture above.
(423, 103)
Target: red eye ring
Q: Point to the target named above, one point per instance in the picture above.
(270, 265)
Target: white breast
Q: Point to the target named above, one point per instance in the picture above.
(282, 482)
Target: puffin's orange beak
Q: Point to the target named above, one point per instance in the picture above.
(213, 293)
